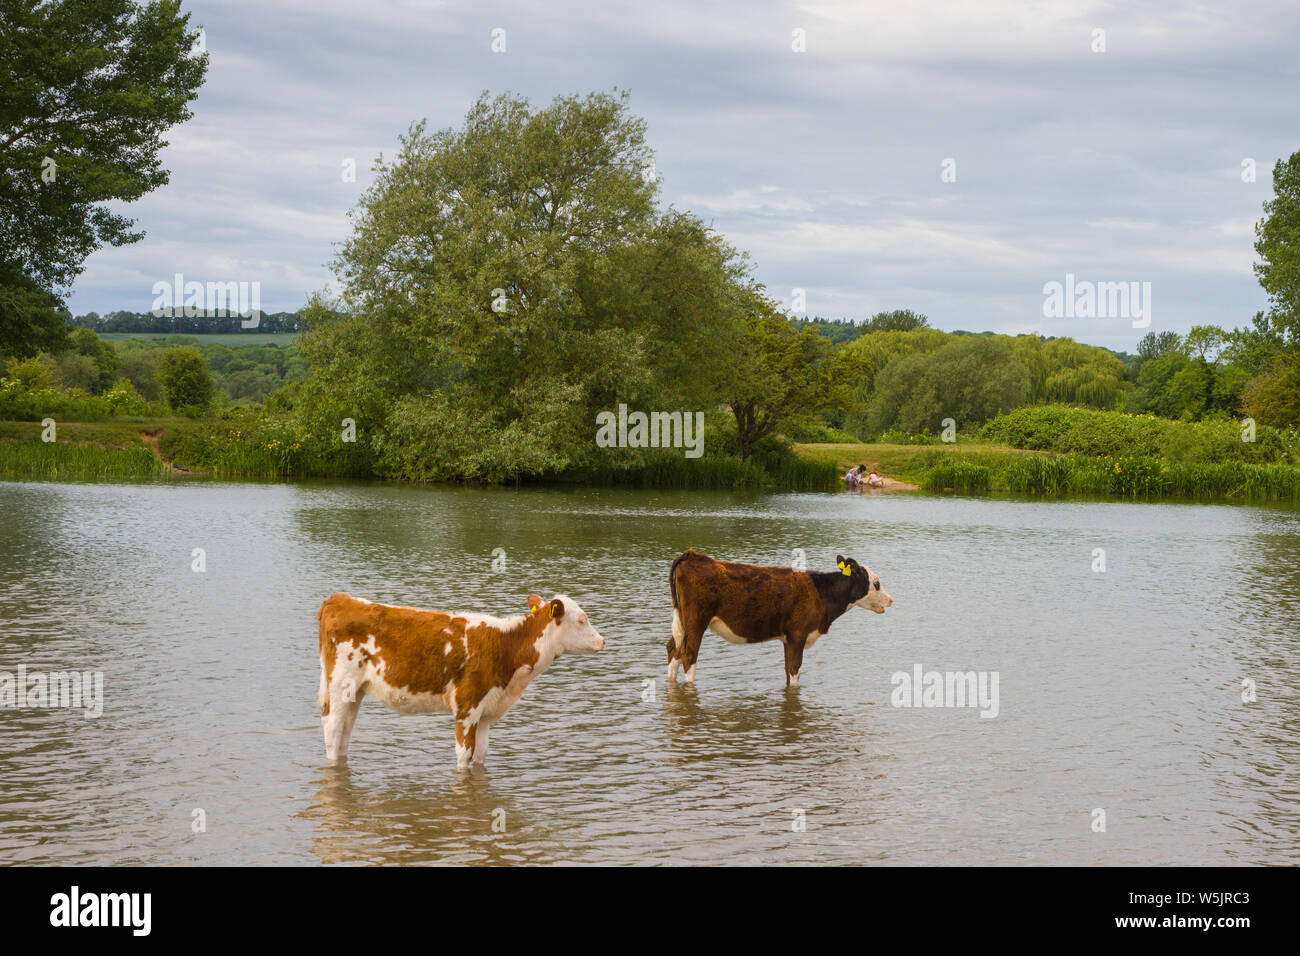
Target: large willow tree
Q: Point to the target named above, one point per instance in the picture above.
(508, 279)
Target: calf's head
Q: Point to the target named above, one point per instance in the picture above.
(568, 626)
(864, 586)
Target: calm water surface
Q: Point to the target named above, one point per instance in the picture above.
(1119, 690)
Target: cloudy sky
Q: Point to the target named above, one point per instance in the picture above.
(826, 165)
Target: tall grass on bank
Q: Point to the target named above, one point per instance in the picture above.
(64, 461)
(961, 476)
(253, 447)
(1138, 477)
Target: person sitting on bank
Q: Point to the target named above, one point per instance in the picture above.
(854, 478)
(875, 481)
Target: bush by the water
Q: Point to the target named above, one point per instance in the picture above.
(1066, 430)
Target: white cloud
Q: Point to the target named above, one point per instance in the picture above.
(825, 165)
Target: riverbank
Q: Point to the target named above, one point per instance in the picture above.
(979, 467)
(123, 449)
(162, 449)
(904, 467)
(157, 448)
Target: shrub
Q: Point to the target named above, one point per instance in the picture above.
(1083, 431)
(186, 380)
(123, 399)
(33, 373)
(19, 403)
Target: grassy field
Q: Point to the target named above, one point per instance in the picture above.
(117, 433)
(225, 338)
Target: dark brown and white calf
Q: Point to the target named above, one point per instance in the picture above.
(415, 661)
(748, 604)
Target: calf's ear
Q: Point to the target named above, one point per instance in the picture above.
(534, 602)
(557, 609)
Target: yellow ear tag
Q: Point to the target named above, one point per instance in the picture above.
(848, 571)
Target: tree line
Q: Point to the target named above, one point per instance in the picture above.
(509, 279)
(148, 323)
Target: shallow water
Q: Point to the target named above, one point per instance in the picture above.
(1119, 691)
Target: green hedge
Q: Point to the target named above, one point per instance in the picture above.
(1067, 430)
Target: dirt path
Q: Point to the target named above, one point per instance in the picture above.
(150, 438)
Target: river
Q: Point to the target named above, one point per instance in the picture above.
(1120, 733)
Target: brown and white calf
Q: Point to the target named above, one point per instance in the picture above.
(473, 665)
(748, 604)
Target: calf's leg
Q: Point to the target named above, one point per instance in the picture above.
(694, 628)
(674, 645)
(793, 659)
(481, 744)
(338, 719)
(466, 738)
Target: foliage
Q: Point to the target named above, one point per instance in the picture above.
(1277, 243)
(900, 320)
(63, 461)
(960, 476)
(107, 369)
(18, 402)
(186, 380)
(1273, 397)
(1095, 433)
(1062, 370)
(31, 318)
(968, 380)
(91, 86)
(506, 281)
(781, 377)
(1127, 477)
(838, 331)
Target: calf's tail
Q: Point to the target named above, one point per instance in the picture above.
(326, 660)
(672, 574)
